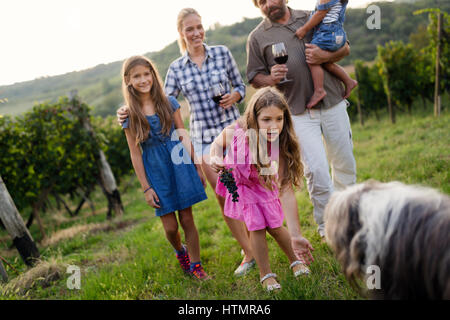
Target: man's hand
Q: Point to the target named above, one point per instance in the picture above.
(122, 114)
(278, 72)
(315, 55)
(301, 33)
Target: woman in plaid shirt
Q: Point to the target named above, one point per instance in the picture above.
(193, 74)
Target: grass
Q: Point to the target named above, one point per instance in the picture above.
(129, 257)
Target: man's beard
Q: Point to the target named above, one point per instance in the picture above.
(277, 15)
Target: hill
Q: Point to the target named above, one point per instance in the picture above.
(100, 86)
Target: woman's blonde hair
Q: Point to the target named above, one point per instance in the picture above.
(288, 143)
(138, 123)
(181, 16)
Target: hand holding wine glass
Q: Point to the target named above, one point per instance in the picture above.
(280, 55)
(218, 91)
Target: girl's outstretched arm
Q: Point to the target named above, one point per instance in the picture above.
(219, 144)
(187, 143)
(138, 165)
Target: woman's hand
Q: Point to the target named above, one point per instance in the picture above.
(217, 163)
(201, 175)
(228, 100)
(302, 249)
(122, 114)
(152, 199)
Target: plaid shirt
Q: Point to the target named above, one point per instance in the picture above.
(184, 76)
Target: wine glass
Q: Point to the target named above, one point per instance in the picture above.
(280, 55)
(218, 91)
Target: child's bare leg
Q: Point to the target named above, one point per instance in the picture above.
(260, 251)
(170, 225)
(319, 91)
(190, 233)
(282, 237)
(237, 227)
(340, 73)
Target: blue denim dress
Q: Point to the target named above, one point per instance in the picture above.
(330, 36)
(169, 169)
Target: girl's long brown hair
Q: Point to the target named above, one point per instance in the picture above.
(138, 123)
(288, 143)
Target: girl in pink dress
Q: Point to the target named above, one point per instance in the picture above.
(255, 143)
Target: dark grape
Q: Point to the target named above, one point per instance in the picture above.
(226, 177)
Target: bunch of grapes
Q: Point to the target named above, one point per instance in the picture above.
(226, 177)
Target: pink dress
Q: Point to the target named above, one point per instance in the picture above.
(258, 206)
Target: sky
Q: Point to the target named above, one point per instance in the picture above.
(48, 37)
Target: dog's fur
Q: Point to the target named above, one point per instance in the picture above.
(404, 230)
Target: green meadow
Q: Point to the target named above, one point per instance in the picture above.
(129, 257)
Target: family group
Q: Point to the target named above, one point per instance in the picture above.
(294, 125)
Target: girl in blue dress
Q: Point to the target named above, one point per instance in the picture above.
(163, 158)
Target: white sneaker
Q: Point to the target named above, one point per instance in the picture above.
(244, 268)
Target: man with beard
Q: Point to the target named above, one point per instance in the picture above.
(322, 130)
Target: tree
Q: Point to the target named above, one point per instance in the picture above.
(370, 88)
(438, 50)
(397, 64)
(106, 177)
(3, 274)
(15, 226)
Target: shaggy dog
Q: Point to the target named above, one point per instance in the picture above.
(403, 230)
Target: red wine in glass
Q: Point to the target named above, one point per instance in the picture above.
(280, 56)
(281, 59)
(217, 98)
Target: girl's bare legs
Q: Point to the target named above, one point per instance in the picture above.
(190, 233)
(170, 225)
(237, 228)
(281, 236)
(340, 73)
(319, 91)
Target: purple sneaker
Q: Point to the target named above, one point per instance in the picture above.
(199, 273)
(183, 259)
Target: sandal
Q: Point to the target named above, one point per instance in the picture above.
(301, 269)
(270, 287)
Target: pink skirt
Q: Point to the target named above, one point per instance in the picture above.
(257, 216)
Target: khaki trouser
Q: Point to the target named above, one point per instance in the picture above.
(325, 135)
